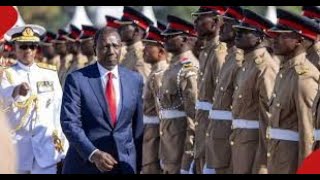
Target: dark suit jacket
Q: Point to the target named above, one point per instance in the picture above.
(86, 122)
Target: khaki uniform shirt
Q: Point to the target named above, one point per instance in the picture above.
(218, 146)
(291, 109)
(179, 93)
(254, 84)
(151, 138)
(133, 60)
(123, 53)
(63, 68)
(78, 62)
(91, 61)
(313, 54)
(211, 59)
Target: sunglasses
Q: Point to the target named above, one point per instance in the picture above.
(28, 46)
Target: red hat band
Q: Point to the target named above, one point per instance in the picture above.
(113, 24)
(155, 36)
(89, 33)
(304, 31)
(311, 14)
(219, 9)
(75, 34)
(234, 13)
(137, 20)
(183, 28)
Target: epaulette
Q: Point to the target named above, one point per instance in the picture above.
(47, 66)
(301, 69)
(259, 59)
(239, 56)
(83, 60)
(221, 47)
(139, 53)
(8, 73)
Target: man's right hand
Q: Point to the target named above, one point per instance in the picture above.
(21, 90)
(104, 161)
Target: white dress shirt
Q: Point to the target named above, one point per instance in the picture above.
(116, 84)
(117, 87)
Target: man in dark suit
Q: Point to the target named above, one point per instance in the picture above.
(101, 113)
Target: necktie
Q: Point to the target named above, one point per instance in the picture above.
(111, 98)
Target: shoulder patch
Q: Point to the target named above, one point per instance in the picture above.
(8, 74)
(185, 60)
(301, 69)
(47, 66)
(239, 55)
(186, 63)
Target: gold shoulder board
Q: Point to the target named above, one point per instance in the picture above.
(47, 66)
(301, 69)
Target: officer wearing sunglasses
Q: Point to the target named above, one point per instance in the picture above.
(31, 95)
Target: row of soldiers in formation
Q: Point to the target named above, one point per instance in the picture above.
(230, 93)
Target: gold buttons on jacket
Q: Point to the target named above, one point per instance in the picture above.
(274, 95)
(280, 75)
(243, 69)
(196, 123)
(231, 143)
(207, 134)
(161, 133)
(268, 154)
(278, 104)
(221, 88)
(240, 96)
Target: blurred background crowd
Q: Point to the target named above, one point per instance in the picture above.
(55, 17)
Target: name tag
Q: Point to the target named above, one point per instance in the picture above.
(45, 86)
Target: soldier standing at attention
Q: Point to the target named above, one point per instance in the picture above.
(60, 47)
(218, 149)
(313, 45)
(177, 98)
(48, 51)
(290, 129)
(253, 89)
(156, 55)
(134, 26)
(211, 59)
(73, 44)
(32, 98)
(87, 43)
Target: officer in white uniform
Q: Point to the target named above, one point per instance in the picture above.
(31, 96)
